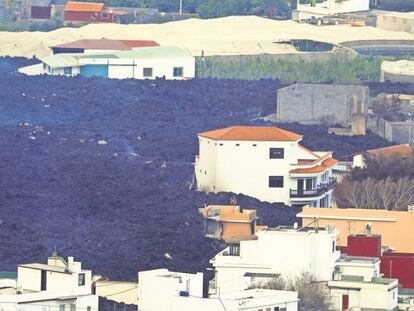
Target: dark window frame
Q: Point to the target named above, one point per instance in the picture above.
(276, 153)
(146, 75)
(81, 279)
(180, 72)
(276, 182)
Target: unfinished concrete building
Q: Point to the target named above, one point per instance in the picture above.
(324, 104)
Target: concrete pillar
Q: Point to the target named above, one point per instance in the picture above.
(358, 125)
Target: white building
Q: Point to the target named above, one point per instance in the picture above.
(58, 285)
(357, 284)
(143, 63)
(328, 8)
(162, 290)
(279, 252)
(266, 163)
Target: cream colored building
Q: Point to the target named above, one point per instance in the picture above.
(163, 290)
(328, 8)
(267, 163)
(277, 252)
(58, 285)
(397, 71)
(391, 225)
(396, 21)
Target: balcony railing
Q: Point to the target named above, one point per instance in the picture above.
(311, 193)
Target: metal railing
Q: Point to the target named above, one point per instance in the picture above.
(316, 192)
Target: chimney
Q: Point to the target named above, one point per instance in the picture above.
(368, 229)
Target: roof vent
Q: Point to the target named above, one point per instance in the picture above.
(368, 229)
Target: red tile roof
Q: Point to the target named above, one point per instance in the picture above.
(401, 150)
(84, 6)
(329, 162)
(252, 133)
(106, 44)
(139, 43)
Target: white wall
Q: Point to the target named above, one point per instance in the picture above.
(286, 253)
(244, 167)
(160, 67)
(158, 287)
(366, 295)
(331, 7)
(279, 299)
(45, 302)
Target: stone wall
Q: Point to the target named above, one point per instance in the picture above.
(321, 103)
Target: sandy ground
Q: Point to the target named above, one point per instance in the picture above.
(235, 35)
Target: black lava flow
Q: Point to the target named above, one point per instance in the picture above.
(103, 169)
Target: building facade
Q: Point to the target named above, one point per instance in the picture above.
(172, 63)
(326, 8)
(322, 103)
(391, 225)
(78, 12)
(266, 163)
(277, 252)
(162, 290)
(229, 223)
(59, 284)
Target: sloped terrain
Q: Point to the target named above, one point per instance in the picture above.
(102, 169)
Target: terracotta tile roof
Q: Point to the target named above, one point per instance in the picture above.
(402, 150)
(327, 163)
(106, 44)
(252, 133)
(84, 6)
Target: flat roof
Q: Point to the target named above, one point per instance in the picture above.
(256, 293)
(39, 266)
(357, 259)
(154, 52)
(60, 60)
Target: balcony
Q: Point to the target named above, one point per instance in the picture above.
(313, 193)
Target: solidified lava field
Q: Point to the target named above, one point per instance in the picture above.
(102, 169)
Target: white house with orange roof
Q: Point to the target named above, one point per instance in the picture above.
(267, 163)
(398, 151)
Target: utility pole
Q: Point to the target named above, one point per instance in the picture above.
(181, 7)
(409, 129)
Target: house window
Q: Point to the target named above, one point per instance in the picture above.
(88, 308)
(237, 145)
(67, 70)
(276, 309)
(62, 307)
(276, 153)
(72, 307)
(275, 181)
(178, 71)
(104, 15)
(234, 250)
(333, 247)
(44, 66)
(81, 279)
(147, 72)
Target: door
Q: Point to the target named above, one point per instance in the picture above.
(300, 185)
(309, 184)
(43, 282)
(345, 302)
